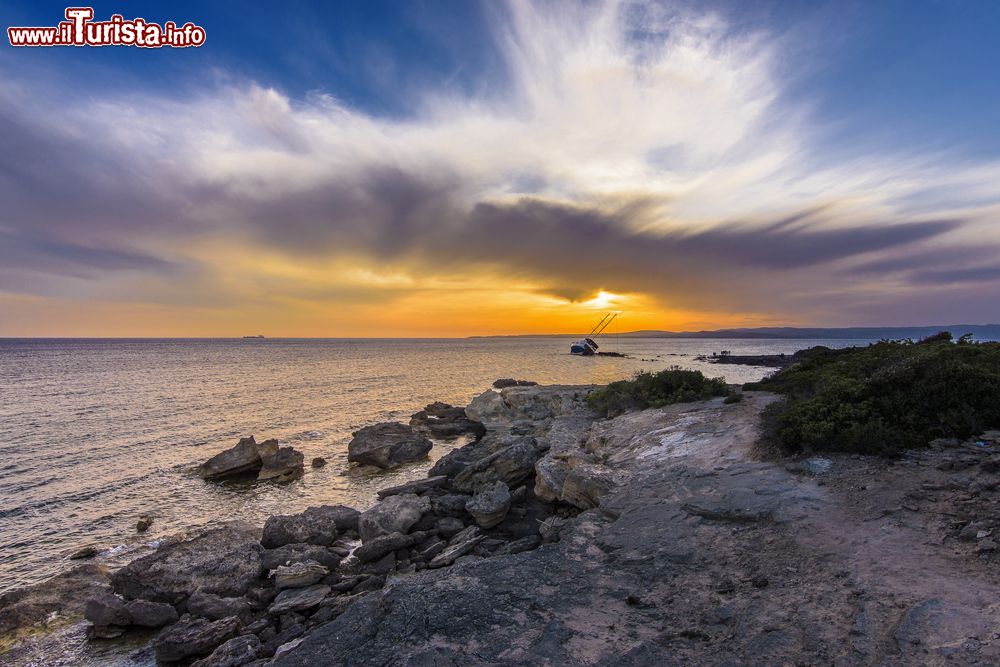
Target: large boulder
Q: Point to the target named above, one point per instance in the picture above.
(316, 525)
(216, 607)
(284, 465)
(193, 637)
(241, 459)
(298, 575)
(224, 561)
(151, 614)
(107, 609)
(512, 466)
(445, 421)
(298, 553)
(490, 504)
(387, 445)
(395, 514)
(379, 546)
(499, 409)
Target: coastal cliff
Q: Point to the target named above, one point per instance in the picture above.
(654, 537)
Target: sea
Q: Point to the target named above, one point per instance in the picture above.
(96, 433)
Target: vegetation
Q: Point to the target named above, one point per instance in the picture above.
(654, 390)
(884, 398)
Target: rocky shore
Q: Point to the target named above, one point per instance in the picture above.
(555, 537)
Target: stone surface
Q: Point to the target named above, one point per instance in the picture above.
(298, 575)
(298, 552)
(241, 459)
(316, 525)
(395, 514)
(512, 466)
(236, 652)
(298, 599)
(458, 546)
(280, 464)
(490, 504)
(193, 637)
(387, 445)
(417, 486)
(107, 609)
(151, 614)
(216, 607)
(225, 561)
(86, 551)
(378, 547)
(445, 421)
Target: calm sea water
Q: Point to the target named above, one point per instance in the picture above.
(95, 433)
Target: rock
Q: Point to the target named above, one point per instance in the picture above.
(490, 504)
(193, 637)
(236, 652)
(151, 614)
(224, 561)
(718, 616)
(415, 487)
(551, 528)
(383, 566)
(317, 525)
(986, 546)
(297, 553)
(104, 631)
(970, 531)
(448, 526)
(65, 594)
(298, 575)
(287, 647)
(503, 383)
(511, 465)
(387, 445)
(368, 584)
(444, 421)
(318, 462)
(86, 551)
(450, 505)
(216, 607)
(283, 465)
(458, 546)
(432, 550)
(241, 459)
(298, 599)
(144, 523)
(107, 609)
(395, 514)
(497, 409)
(518, 546)
(580, 483)
(380, 546)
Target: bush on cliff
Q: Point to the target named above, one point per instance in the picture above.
(654, 390)
(884, 398)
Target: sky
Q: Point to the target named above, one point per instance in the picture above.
(453, 168)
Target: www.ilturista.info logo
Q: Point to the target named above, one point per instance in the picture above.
(79, 29)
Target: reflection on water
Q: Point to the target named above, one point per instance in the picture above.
(95, 433)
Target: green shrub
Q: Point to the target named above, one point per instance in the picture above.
(884, 398)
(654, 390)
(733, 398)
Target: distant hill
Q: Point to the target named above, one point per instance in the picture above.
(978, 331)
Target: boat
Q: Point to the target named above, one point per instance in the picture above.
(587, 346)
(257, 336)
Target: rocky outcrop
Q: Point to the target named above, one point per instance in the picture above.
(298, 599)
(241, 459)
(236, 652)
(387, 445)
(512, 466)
(145, 614)
(503, 383)
(417, 486)
(441, 420)
(266, 459)
(193, 637)
(224, 561)
(298, 575)
(490, 504)
(395, 514)
(316, 525)
(280, 464)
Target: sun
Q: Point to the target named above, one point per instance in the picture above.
(603, 300)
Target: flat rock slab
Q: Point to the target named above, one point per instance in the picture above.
(298, 599)
(417, 486)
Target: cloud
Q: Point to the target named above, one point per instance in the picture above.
(630, 146)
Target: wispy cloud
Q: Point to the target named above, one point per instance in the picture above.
(630, 147)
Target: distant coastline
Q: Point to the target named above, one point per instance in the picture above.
(978, 331)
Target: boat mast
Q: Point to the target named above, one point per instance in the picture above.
(597, 331)
(599, 324)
